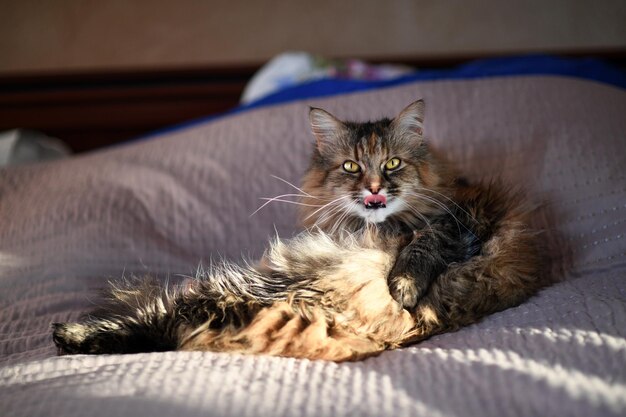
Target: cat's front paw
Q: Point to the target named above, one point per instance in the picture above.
(404, 290)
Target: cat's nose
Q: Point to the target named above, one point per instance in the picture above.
(374, 187)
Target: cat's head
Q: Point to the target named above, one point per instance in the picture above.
(372, 172)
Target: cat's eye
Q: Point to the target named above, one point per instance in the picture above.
(351, 166)
(392, 164)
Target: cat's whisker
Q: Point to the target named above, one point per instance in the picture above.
(341, 214)
(421, 216)
(450, 200)
(327, 214)
(291, 185)
(321, 219)
(325, 205)
(443, 206)
(282, 196)
(324, 216)
(288, 195)
(280, 200)
(338, 208)
(346, 211)
(260, 208)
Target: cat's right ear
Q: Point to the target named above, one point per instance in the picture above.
(326, 128)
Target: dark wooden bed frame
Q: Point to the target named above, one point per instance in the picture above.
(93, 109)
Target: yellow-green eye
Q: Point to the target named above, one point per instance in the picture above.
(351, 166)
(392, 164)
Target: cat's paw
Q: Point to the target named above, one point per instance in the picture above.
(404, 290)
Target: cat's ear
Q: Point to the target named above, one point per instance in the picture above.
(326, 128)
(410, 122)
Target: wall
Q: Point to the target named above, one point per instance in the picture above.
(66, 35)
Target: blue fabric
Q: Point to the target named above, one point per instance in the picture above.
(586, 68)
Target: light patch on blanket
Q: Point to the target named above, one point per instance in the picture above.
(575, 383)
(579, 336)
(8, 260)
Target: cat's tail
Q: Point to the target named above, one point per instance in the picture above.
(135, 315)
(145, 315)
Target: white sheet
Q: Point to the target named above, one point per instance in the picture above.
(162, 206)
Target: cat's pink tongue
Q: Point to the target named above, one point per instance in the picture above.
(375, 200)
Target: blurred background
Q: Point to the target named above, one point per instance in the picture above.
(96, 73)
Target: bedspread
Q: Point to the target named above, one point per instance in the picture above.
(166, 205)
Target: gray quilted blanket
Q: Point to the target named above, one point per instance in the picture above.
(166, 205)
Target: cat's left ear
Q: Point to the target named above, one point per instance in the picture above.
(410, 122)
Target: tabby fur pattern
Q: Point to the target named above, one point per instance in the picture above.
(397, 248)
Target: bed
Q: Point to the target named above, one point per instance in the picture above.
(176, 201)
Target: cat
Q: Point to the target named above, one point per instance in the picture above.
(397, 247)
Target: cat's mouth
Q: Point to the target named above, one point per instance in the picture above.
(375, 208)
(375, 201)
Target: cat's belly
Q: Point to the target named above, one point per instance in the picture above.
(345, 313)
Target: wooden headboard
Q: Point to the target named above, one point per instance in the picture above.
(94, 109)
(89, 110)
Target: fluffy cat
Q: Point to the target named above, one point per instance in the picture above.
(397, 248)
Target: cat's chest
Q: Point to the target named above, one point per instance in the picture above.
(383, 239)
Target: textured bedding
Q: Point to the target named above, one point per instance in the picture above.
(168, 205)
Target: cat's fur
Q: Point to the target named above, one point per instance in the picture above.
(389, 257)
